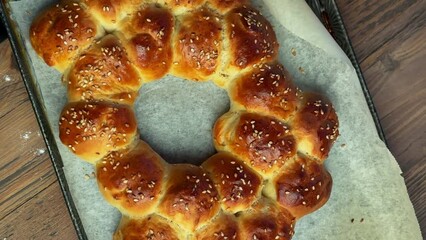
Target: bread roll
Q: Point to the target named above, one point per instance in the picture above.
(103, 72)
(62, 32)
(132, 180)
(92, 130)
(271, 144)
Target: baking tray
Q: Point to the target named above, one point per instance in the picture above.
(326, 10)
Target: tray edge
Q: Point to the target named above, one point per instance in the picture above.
(39, 111)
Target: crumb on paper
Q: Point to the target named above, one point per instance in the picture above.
(89, 176)
(26, 135)
(7, 78)
(343, 145)
(353, 220)
(293, 52)
(301, 70)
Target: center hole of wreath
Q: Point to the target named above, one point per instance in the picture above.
(176, 117)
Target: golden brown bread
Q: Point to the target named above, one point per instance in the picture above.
(302, 187)
(252, 39)
(238, 185)
(267, 89)
(149, 228)
(62, 32)
(223, 226)
(266, 220)
(93, 129)
(316, 126)
(262, 142)
(197, 45)
(109, 13)
(132, 180)
(225, 5)
(147, 37)
(103, 72)
(268, 171)
(190, 198)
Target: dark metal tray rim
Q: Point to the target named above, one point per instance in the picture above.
(326, 10)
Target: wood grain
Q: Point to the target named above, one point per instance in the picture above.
(31, 202)
(389, 40)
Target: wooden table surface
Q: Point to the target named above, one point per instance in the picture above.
(389, 40)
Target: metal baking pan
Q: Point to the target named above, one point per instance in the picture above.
(326, 10)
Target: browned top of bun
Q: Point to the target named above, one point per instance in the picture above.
(263, 142)
(92, 129)
(62, 32)
(252, 39)
(238, 185)
(132, 180)
(147, 38)
(180, 6)
(149, 228)
(225, 5)
(222, 227)
(266, 220)
(271, 144)
(103, 72)
(110, 12)
(198, 43)
(190, 197)
(303, 186)
(267, 89)
(316, 126)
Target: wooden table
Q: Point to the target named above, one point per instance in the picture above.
(389, 40)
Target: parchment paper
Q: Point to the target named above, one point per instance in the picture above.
(369, 199)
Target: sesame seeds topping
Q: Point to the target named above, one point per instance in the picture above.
(262, 45)
(103, 64)
(267, 141)
(81, 126)
(200, 47)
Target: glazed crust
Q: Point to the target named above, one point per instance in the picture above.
(190, 197)
(272, 143)
(103, 72)
(149, 228)
(303, 186)
(263, 142)
(266, 220)
(316, 126)
(110, 13)
(197, 45)
(132, 180)
(222, 227)
(147, 37)
(92, 129)
(238, 185)
(62, 32)
(252, 38)
(267, 89)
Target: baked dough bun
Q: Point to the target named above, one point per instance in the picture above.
(271, 145)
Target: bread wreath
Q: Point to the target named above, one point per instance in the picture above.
(271, 145)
